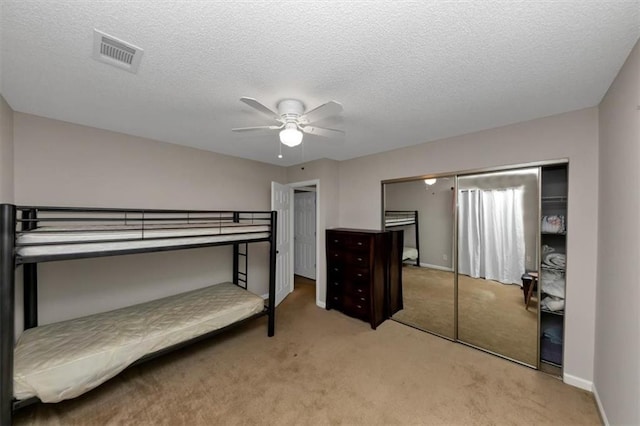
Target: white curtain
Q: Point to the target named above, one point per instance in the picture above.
(491, 234)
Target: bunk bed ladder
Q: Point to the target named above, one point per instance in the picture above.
(7, 319)
(240, 269)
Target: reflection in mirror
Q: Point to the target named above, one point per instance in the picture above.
(497, 248)
(425, 212)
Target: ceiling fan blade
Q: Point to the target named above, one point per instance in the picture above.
(323, 111)
(263, 109)
(246, 129)
(322, 131)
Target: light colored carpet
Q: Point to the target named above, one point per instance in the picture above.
(490, 315)
(323, 367)
(428, 300)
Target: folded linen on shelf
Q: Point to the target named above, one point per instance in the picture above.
(553, 224)
(553, 334)
(554, 260)
(553, 304)
(553, 282)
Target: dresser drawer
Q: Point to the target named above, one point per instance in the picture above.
(357, 259)
(334, 301)
(358, 242)
(336, 270)
(337, 257)
(357, 275)
(335, 285)
(336, 241)
(356, 307)
(356, 289)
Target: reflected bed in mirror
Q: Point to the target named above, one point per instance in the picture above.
(425, 212)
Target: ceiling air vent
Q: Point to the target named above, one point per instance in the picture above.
(116, 52)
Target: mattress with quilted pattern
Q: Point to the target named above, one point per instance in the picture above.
(94, 239)
(66, 359)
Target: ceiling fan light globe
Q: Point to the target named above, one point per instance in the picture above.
(291, 136)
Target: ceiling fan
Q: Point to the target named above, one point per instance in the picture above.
(294, 120)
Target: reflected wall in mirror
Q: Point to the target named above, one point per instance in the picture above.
(425, 212)
(497, 247)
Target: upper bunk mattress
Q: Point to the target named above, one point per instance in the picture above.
(399, 221)
(66, 359)
(93, 239)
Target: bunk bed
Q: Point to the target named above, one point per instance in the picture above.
(62, 360)
(404, 218)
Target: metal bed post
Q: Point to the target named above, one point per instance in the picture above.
(7, 300)
(30, 276)
(236, 253)
(417, 238)
(272, 273)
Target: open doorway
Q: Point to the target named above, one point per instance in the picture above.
(305, 234)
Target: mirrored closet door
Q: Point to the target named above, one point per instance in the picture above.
(425, 211)
(497, 247)
(485, 258)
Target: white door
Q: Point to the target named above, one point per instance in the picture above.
(281, 202)
(304, 234)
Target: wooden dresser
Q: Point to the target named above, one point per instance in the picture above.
(358, 274)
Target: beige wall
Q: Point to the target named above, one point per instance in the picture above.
(6, 152)
(617, 355)
(58, 163)
(326, 171)
(572, 135)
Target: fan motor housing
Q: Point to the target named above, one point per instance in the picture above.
(290, 107)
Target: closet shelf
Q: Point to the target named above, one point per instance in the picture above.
(547, 311)
(554, 199)
(548, 268)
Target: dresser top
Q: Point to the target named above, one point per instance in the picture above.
(361, 231)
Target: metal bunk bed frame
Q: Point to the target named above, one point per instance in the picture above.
(409, 213)
(28, 220)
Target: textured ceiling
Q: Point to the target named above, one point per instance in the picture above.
(406, 72)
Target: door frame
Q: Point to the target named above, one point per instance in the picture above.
(316, 183)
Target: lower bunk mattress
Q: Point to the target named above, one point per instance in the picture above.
(66, 359)
(409, 253)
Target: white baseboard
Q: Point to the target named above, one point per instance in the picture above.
(321, 304)
(603, 415)
(438, 267)
(577, 382)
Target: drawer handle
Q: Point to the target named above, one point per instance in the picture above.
(335, 255)
(362, 298)
(335, 241)
(336, 269)
(358, 306)
(335, 297)
(359, 259)
(359, 290)
(359, 243)
(359, 275)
